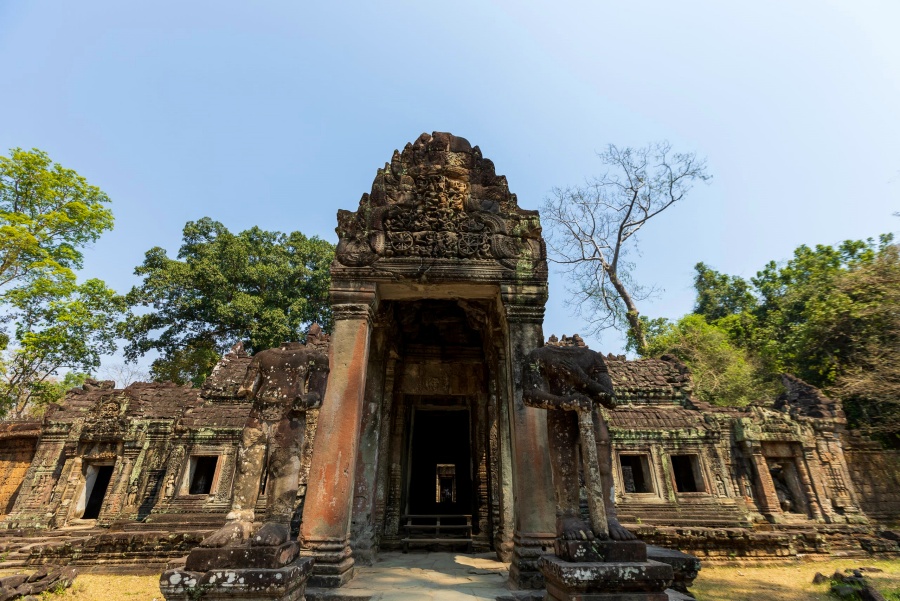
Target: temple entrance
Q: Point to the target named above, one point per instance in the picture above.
(440, 479)
(441, 432)
(96, 482)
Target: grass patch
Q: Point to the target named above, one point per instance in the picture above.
(788, 581)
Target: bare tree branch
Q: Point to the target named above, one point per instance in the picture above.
(593, 228)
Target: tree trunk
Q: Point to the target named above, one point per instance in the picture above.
(633, 316)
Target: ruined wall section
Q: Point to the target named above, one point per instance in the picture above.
(875, 473)
(18, 443)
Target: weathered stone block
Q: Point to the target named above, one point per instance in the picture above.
(203, 559)
(282, 584)
(607, 581)
(685, 567)
(579, 551)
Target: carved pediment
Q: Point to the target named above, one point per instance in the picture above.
(439, 200)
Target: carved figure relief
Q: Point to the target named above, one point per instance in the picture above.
(571, 382)
(439, 199)
(284, 384)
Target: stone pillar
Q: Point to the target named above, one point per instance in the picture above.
(535, 505)
(801, 456)
(325, 530)
(767, 499)
(363, 525)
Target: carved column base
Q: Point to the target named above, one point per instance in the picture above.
(230, 584)
(605, 581)
(524, 573)
(334, 563)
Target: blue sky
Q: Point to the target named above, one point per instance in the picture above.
(277, 114)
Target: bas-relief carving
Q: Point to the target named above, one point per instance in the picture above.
(439, 199)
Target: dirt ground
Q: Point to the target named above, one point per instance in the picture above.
(750, 582)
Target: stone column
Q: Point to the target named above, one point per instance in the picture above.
(801, 457)
(535, 505)
(363, 525)
(325, 530)
(767, 499)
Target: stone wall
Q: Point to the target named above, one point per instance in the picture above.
(876, 476)
(18, 441)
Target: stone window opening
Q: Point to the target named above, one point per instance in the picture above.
(202, 474)
(446, 483)
(787, 486)
(96, 482)
(686, 471)
(635, 470)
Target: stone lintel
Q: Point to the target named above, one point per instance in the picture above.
(410, 290)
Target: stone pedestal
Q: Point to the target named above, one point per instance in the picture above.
(287, 583)
(604, 571)
(240, 573)
(605, 581)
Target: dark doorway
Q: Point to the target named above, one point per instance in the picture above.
(686, 469)
(203, 472)
(635, 473)
(440, 480)
(97, 492)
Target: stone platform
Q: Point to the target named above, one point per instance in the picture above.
(433, 576)
(230, 584)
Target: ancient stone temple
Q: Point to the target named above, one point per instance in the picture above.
(409, 427)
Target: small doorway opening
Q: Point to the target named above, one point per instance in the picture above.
(686, 469)
(787, 486)
(636, 473)
(97, 480)
(202, 474)
(440, 481)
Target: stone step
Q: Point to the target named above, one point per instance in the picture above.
(341, 594)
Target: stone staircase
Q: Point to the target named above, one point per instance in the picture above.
(135, 549)
(718, 513)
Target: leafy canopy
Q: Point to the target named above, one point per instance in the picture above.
(47, 215)
(795, 316)
(829, 315)
(259, 287)
(723, 373)
(59, 325)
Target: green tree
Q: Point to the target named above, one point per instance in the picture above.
(259, 287)
(59, 325)
(720, 295)
(863, 320)
(797, 318)
(829, 315)
(723, 374)
(47, 215)
(593, 229)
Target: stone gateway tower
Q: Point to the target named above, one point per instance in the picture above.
(438, 291)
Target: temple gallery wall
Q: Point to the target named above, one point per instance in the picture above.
(438, 291)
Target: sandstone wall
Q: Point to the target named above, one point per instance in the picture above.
(876, 476)
(18, 441)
